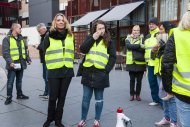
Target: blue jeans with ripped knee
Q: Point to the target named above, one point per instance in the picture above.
(87, 95)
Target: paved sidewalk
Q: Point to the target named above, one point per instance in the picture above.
(33, 112)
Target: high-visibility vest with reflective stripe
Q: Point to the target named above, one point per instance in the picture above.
(181, 71)
(157, 65)
(149, 44)
(129, 55)
(14, 50)
(97, 56)
(57, 55)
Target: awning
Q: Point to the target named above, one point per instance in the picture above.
(120, 11)
(89, 17)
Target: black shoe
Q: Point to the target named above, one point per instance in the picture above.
(47, 123)
(45, 96)
(22, 96)
(59, 124)
(8, 100)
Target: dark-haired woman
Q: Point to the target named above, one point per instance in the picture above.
(99, 60)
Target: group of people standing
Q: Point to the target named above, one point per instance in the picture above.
(164, 52)
(57, 55)
(171, 67)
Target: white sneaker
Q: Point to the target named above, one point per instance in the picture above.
(96, 123)
(173, 125)
(163, 121)
(153, 104)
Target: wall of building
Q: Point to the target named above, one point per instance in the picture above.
(24, 14)
(42, 11)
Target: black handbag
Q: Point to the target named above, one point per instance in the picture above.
(138, 56)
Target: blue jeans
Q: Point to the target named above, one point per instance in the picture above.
(10, 81)
(184, 112)
(87, 95)
(45, 73)
(162, 92)
(154, 88)
(170, 110)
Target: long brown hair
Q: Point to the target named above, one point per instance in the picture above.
(106, 36)
(67, 25)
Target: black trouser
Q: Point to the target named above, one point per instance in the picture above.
(57, 93)
(135, 75)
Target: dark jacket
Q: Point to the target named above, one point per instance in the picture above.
(168, 61)
(91, 76)
(7, 56)
(60, 72)
(40, 48)
(135, 48)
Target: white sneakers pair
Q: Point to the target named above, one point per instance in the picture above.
(82, 123)
(164, 121)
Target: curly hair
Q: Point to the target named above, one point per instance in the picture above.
(106, 37)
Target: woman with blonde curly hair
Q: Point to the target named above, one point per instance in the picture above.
(59, 57)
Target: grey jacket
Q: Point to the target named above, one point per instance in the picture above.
(6, 52)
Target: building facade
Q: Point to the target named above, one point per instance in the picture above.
(164, 10)
(18, 11)
(8, 13)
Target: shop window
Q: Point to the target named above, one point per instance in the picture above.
(153, 8)
(183, 7)
(168, 10)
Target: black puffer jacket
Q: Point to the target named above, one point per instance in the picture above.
(168, 60)
(91, 76)
(40, 48)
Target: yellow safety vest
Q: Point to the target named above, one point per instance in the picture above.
(181, 71)
(170, 32)
(149, 44)
(157, 66)
(97, 56)
(129, 56)
(14, 51)
(58, 55)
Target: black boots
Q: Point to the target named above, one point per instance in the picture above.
(59, 124)
(47, 123)
(22, 96)
(8, 100)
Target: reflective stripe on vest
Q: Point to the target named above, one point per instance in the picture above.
(14, 51)
(129, 56)
(157, 66)
(149, 44)
(57, 55)
(97, 56)
(181, 71)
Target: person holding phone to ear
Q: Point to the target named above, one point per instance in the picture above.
(99, 60)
